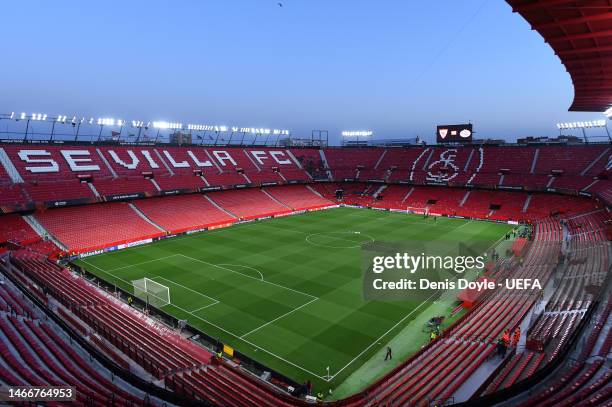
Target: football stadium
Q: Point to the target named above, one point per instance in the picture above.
(163, 263)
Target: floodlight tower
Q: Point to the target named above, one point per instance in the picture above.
(582, 125)
(32, 117)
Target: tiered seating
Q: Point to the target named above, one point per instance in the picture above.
(264, 176)
(12, 301)
(188, 182)
(245, 162)
(571, 182)
(397, 162)
(326, 190)
(576, 384)
(135, 157)
(446, 200)
(603, 189)
(266, 173)
(248, 203)
(479, 204)
(124, 185)
(59, 185)
(545, 205)
(35, 354)
(298, 197)
(344, 162)
(15, 229)
(392, 197)
(571, 161)
(178, 214)
(453, 165)
(513, 158)
(62, 172)
(515, 164)
(86, 228)
(58, 281)
(520, 366)
(310, 159)
(5, 178)
(557, 167)
(434, 374)
(158, 350)
(183, 165)
(40, 344)
(12, 195)
(44, 191)
(225, 386)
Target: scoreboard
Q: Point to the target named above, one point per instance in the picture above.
(454, 133)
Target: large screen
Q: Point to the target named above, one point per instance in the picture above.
(454, 133)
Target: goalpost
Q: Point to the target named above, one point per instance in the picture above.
(152, 292)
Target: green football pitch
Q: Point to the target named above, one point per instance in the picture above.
(288, 292)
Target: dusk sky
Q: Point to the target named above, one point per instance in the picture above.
(397, 67)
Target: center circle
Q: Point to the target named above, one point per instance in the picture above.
(339, 240)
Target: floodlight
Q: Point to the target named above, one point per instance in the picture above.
(357, 133)
(167, 125)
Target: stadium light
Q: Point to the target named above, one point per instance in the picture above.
(160, 125)
(357, 133)
(582, 124)
(106, 121)
(167, 125)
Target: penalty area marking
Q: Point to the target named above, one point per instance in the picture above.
(330, 235)
(244, 267)
(216, 301)
(192, 313)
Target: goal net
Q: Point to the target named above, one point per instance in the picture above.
(152, 292)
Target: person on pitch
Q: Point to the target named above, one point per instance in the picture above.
(388, 356)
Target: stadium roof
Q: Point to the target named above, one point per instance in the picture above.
(580, 33)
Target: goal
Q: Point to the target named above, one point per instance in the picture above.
(152, 292)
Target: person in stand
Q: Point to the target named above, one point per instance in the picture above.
(501, 348)
(388, 356)
(517, 336)
(506, 337)
(308, 387)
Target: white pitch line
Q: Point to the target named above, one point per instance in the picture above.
(206, 306)
(186, 288)
(277, 318)
(382, 336)
(400, 321)
(138, 264)
(104, 271)
(325, 378)
(203, 233)
(228, 332)
(252, 344)
(247, 276)
(243, 266)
